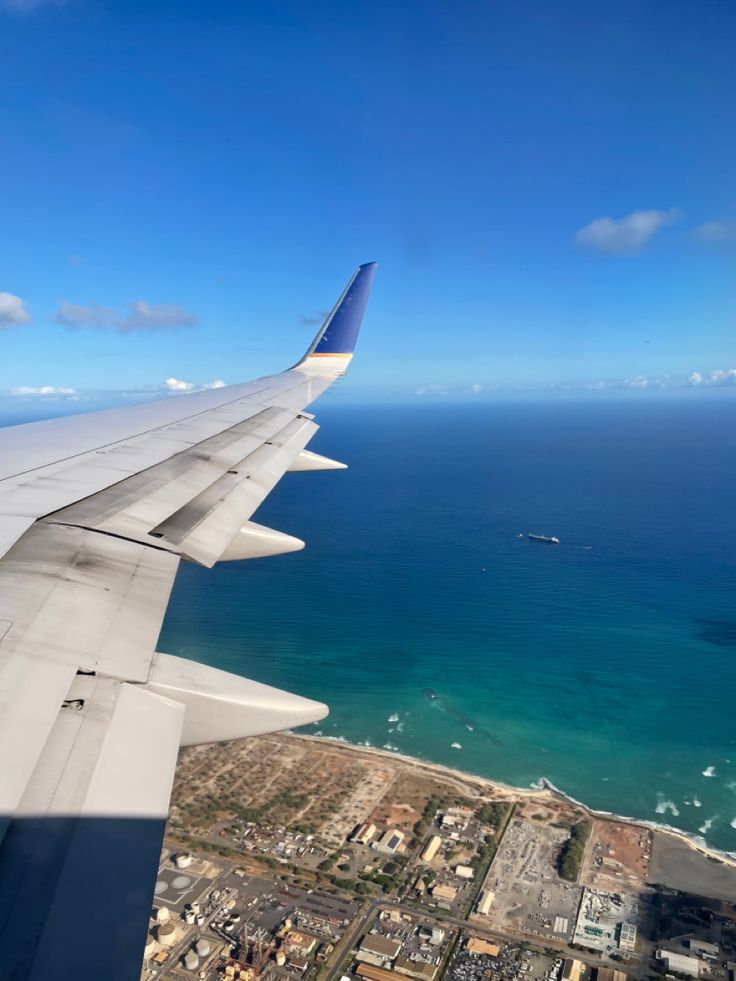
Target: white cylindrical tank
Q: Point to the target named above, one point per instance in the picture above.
(163, 915)
(166, 934)
(202, 947)
(191, 961)
(150, 947)
(189, 916)
(200, 919)
(183, 860)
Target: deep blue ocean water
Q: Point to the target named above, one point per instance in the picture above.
(606, 664)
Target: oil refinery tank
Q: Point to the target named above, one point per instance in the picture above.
(183, 860)
(202, 947)
(191, 961)
(163, 915)
(166, 934)
(150, 947)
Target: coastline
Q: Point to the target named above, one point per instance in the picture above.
(547, 791)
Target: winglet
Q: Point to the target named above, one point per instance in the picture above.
(339, 333)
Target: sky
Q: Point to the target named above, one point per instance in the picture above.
(549, 190)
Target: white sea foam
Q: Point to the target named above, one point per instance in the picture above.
(469, 728)
(664, 805)
(696, 802)
(400, 727)
(455, 746)
(731, 785)
(707, 825)
(733, 823)
(709, 771)
(394, 717)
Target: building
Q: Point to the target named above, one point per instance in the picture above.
(608, 974)
(375, 973)
(485, 902)
(390, 842)
(386, 947)
(433, 935)
(464, 871)
(420, 970)
(364, 833)
(366, 957)
(298, 944)
(477, 946)
(681, 963)
(299, 964)
(703, 947)
(456, 817)
(572, 969)
(431, 848)
(627, 938)
(443, 891)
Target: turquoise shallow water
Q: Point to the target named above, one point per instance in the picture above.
(606, 664)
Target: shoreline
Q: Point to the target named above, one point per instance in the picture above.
(546, 791)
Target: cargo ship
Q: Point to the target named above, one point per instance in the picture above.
(552, 539)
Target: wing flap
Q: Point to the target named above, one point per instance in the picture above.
(86, 599)
(203, 529)
(93, 814)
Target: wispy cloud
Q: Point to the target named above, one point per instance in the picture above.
(315, 319)
(77, 315)
(217, 383)
(142, 316)
(430, 390)
(721, 376)
(161, 316)
(43, 391)
(13, 311)
(715, 231)
(625, 236)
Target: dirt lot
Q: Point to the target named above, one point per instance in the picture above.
(618, 856)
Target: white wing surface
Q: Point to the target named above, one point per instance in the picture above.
(96, 512)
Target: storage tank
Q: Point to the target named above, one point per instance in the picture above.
(166, 934)
(183, 860)
(150, 947)
(201, 919)
(191, 961)
(189, 916)
(163, 915)
(202, 947)
(280, 958)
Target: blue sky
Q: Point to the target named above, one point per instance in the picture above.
(549, 190)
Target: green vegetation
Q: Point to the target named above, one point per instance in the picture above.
(571, 854)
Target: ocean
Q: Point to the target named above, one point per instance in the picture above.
(606, 664)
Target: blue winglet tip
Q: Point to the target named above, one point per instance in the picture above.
(339, 333)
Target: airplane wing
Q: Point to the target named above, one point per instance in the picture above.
(96, 513)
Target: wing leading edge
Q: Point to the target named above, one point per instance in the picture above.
(96, 512)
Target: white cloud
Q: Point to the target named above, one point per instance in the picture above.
(633, 381)
(476, 389)
(177, 385)
(13, 311)
(43, 390)
(715, 231)
(721, 376)
(156, 316)
(218, 383)
(77, 315)
(625, 235)
(143, 316)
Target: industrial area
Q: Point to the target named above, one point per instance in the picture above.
(292, 858)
